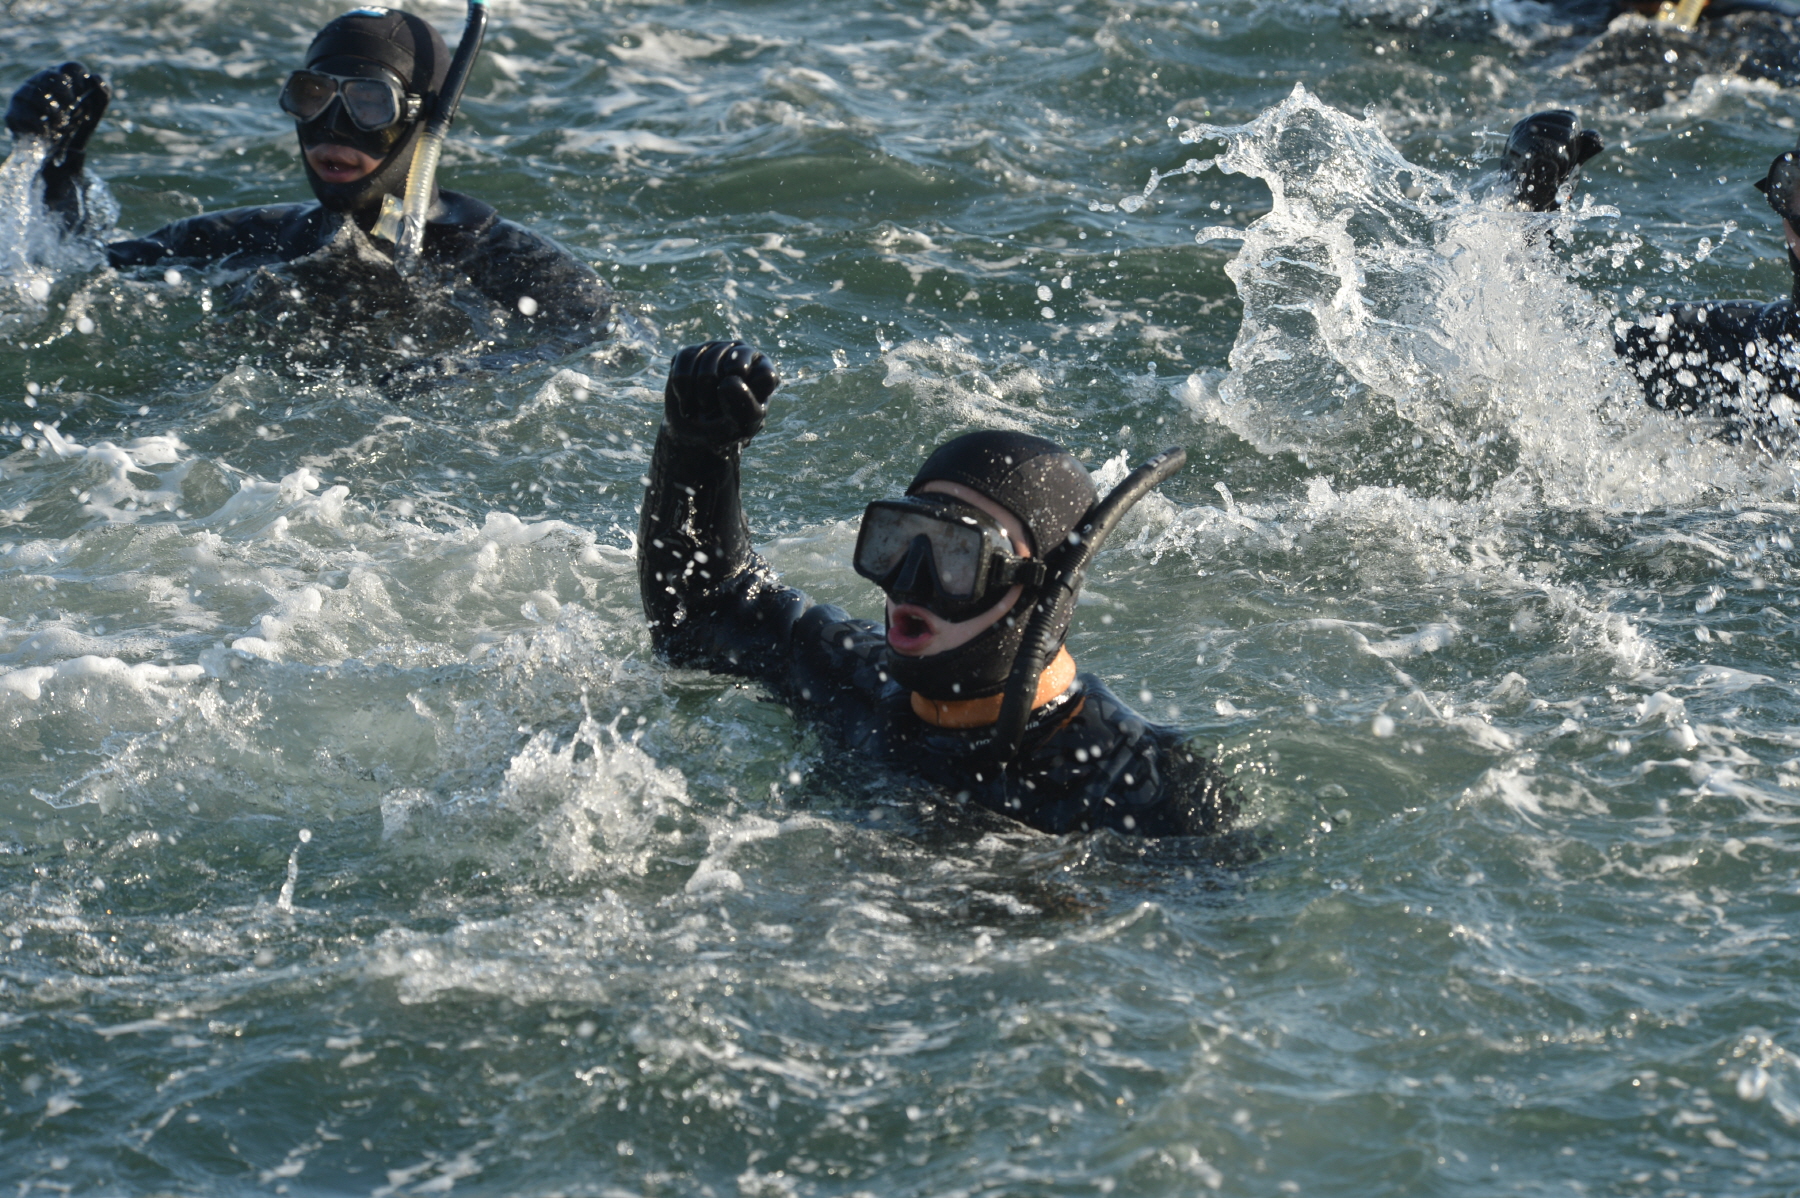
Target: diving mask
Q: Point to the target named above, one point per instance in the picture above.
(372, 104)
(949, 557)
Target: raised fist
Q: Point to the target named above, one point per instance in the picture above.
(62, 105)
(1544, 152)
(718, 393)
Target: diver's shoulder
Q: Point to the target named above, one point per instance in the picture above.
(1102, 705)
(465, 213)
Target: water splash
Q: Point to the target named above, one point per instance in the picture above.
(1400, 327)
(34, 250)
(285, 901)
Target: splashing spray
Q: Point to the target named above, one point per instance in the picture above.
(285, 901)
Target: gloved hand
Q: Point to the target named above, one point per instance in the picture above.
(1544, 152)
(62, 105)
(718, 393)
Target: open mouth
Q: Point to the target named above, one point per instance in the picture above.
(340, 164)
(910, 629)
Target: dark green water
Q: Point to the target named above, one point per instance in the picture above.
(353, 842)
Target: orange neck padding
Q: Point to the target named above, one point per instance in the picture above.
(978, 713)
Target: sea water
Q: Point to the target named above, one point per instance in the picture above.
(354, 841)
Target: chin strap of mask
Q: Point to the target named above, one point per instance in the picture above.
(403, 223)
(1068, 568)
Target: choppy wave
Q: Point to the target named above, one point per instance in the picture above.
(352, 840)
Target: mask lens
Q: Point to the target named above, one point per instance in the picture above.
(371, 103)
(957, 551)
(306, 94)
(887, 536)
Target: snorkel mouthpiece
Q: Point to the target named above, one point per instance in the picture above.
(1068, 565)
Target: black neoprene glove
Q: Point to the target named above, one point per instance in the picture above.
(718, 394)
(63, 105)
(1545, 150)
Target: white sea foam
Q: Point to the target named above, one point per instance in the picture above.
(1384, 303)
(956, 386)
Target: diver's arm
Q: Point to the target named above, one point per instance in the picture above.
(54, 113)
(275, 232)
(1545, 151)
(702, 586)
(1723, 360)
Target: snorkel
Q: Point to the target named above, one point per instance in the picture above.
(403, 223)
(1684, 14)
(1068, 565)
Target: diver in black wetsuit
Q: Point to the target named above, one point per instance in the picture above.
(1736, 361)
(360, 104)
(969, 686)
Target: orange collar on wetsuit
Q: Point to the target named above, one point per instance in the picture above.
(979, 713)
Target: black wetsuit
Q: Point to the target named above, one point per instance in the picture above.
(1737, 361)
(503, 261)
(1089, 761)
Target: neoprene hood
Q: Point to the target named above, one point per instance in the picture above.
(374, 43)
(1042, 484)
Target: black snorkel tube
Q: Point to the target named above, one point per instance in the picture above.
(1068, 565)
(404, 223)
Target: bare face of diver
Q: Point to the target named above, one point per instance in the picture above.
(915, 632)
(340, 164)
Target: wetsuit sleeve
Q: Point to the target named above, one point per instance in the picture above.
(712, 602)
(54, 114)
(1678, 353)
(1736, 362)
(510, 263)
(253, 233)
(1199, 800)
